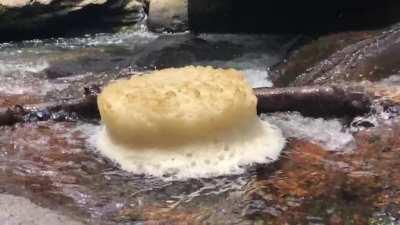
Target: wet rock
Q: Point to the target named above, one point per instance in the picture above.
(360, 56)
(334, 188)
(311, 51)
(92, 90)
(87, 60)
(60, 169)
(54, 165)
(300, 17)
(44, 18)
(257, 208)
(361, 124)
(185, 49)
(20, 211)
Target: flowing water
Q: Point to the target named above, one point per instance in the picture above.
(57, 165)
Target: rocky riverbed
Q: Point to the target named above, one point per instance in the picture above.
(337, 168)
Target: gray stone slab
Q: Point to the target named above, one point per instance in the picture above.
(21, 211)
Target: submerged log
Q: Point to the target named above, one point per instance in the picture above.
(332, 100)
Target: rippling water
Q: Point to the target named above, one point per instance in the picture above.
(40, 66)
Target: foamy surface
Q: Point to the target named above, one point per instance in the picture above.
(227, 154)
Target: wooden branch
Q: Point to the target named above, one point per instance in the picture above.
(333, 100)
(309, 100)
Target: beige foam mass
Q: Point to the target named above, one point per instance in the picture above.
(175, 105)
(188, 122)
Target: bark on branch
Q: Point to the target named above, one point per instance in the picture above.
(315, 100)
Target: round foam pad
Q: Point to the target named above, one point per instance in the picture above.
(173, 106)
(186, 123)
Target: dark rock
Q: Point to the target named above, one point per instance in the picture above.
(372, 59)
(360, 123)
(259, 208)
(38, 19)
(92, 90)
(287, 16)
(311, 51)
(356, 56)
(181, 50)
(87, 60)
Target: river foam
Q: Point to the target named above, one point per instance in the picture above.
(329, 133)
(227, 154)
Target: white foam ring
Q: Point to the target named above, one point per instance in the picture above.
(227, 154)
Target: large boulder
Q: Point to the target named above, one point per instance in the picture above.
(26, 19)
(342, 57)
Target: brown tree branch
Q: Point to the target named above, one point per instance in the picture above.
(333, 100)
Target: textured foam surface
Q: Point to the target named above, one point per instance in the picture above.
(175, 105)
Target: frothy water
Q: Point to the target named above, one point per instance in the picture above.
(128, 38)
(23, 64)
(28, 84)
(258, 78)
(22, 67)
(261, 52)
(200, 186)
(226, 154)
(329, 133)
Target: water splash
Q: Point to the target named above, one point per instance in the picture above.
(329, 133)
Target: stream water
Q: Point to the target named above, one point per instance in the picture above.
(24, 65)
(56, 165)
